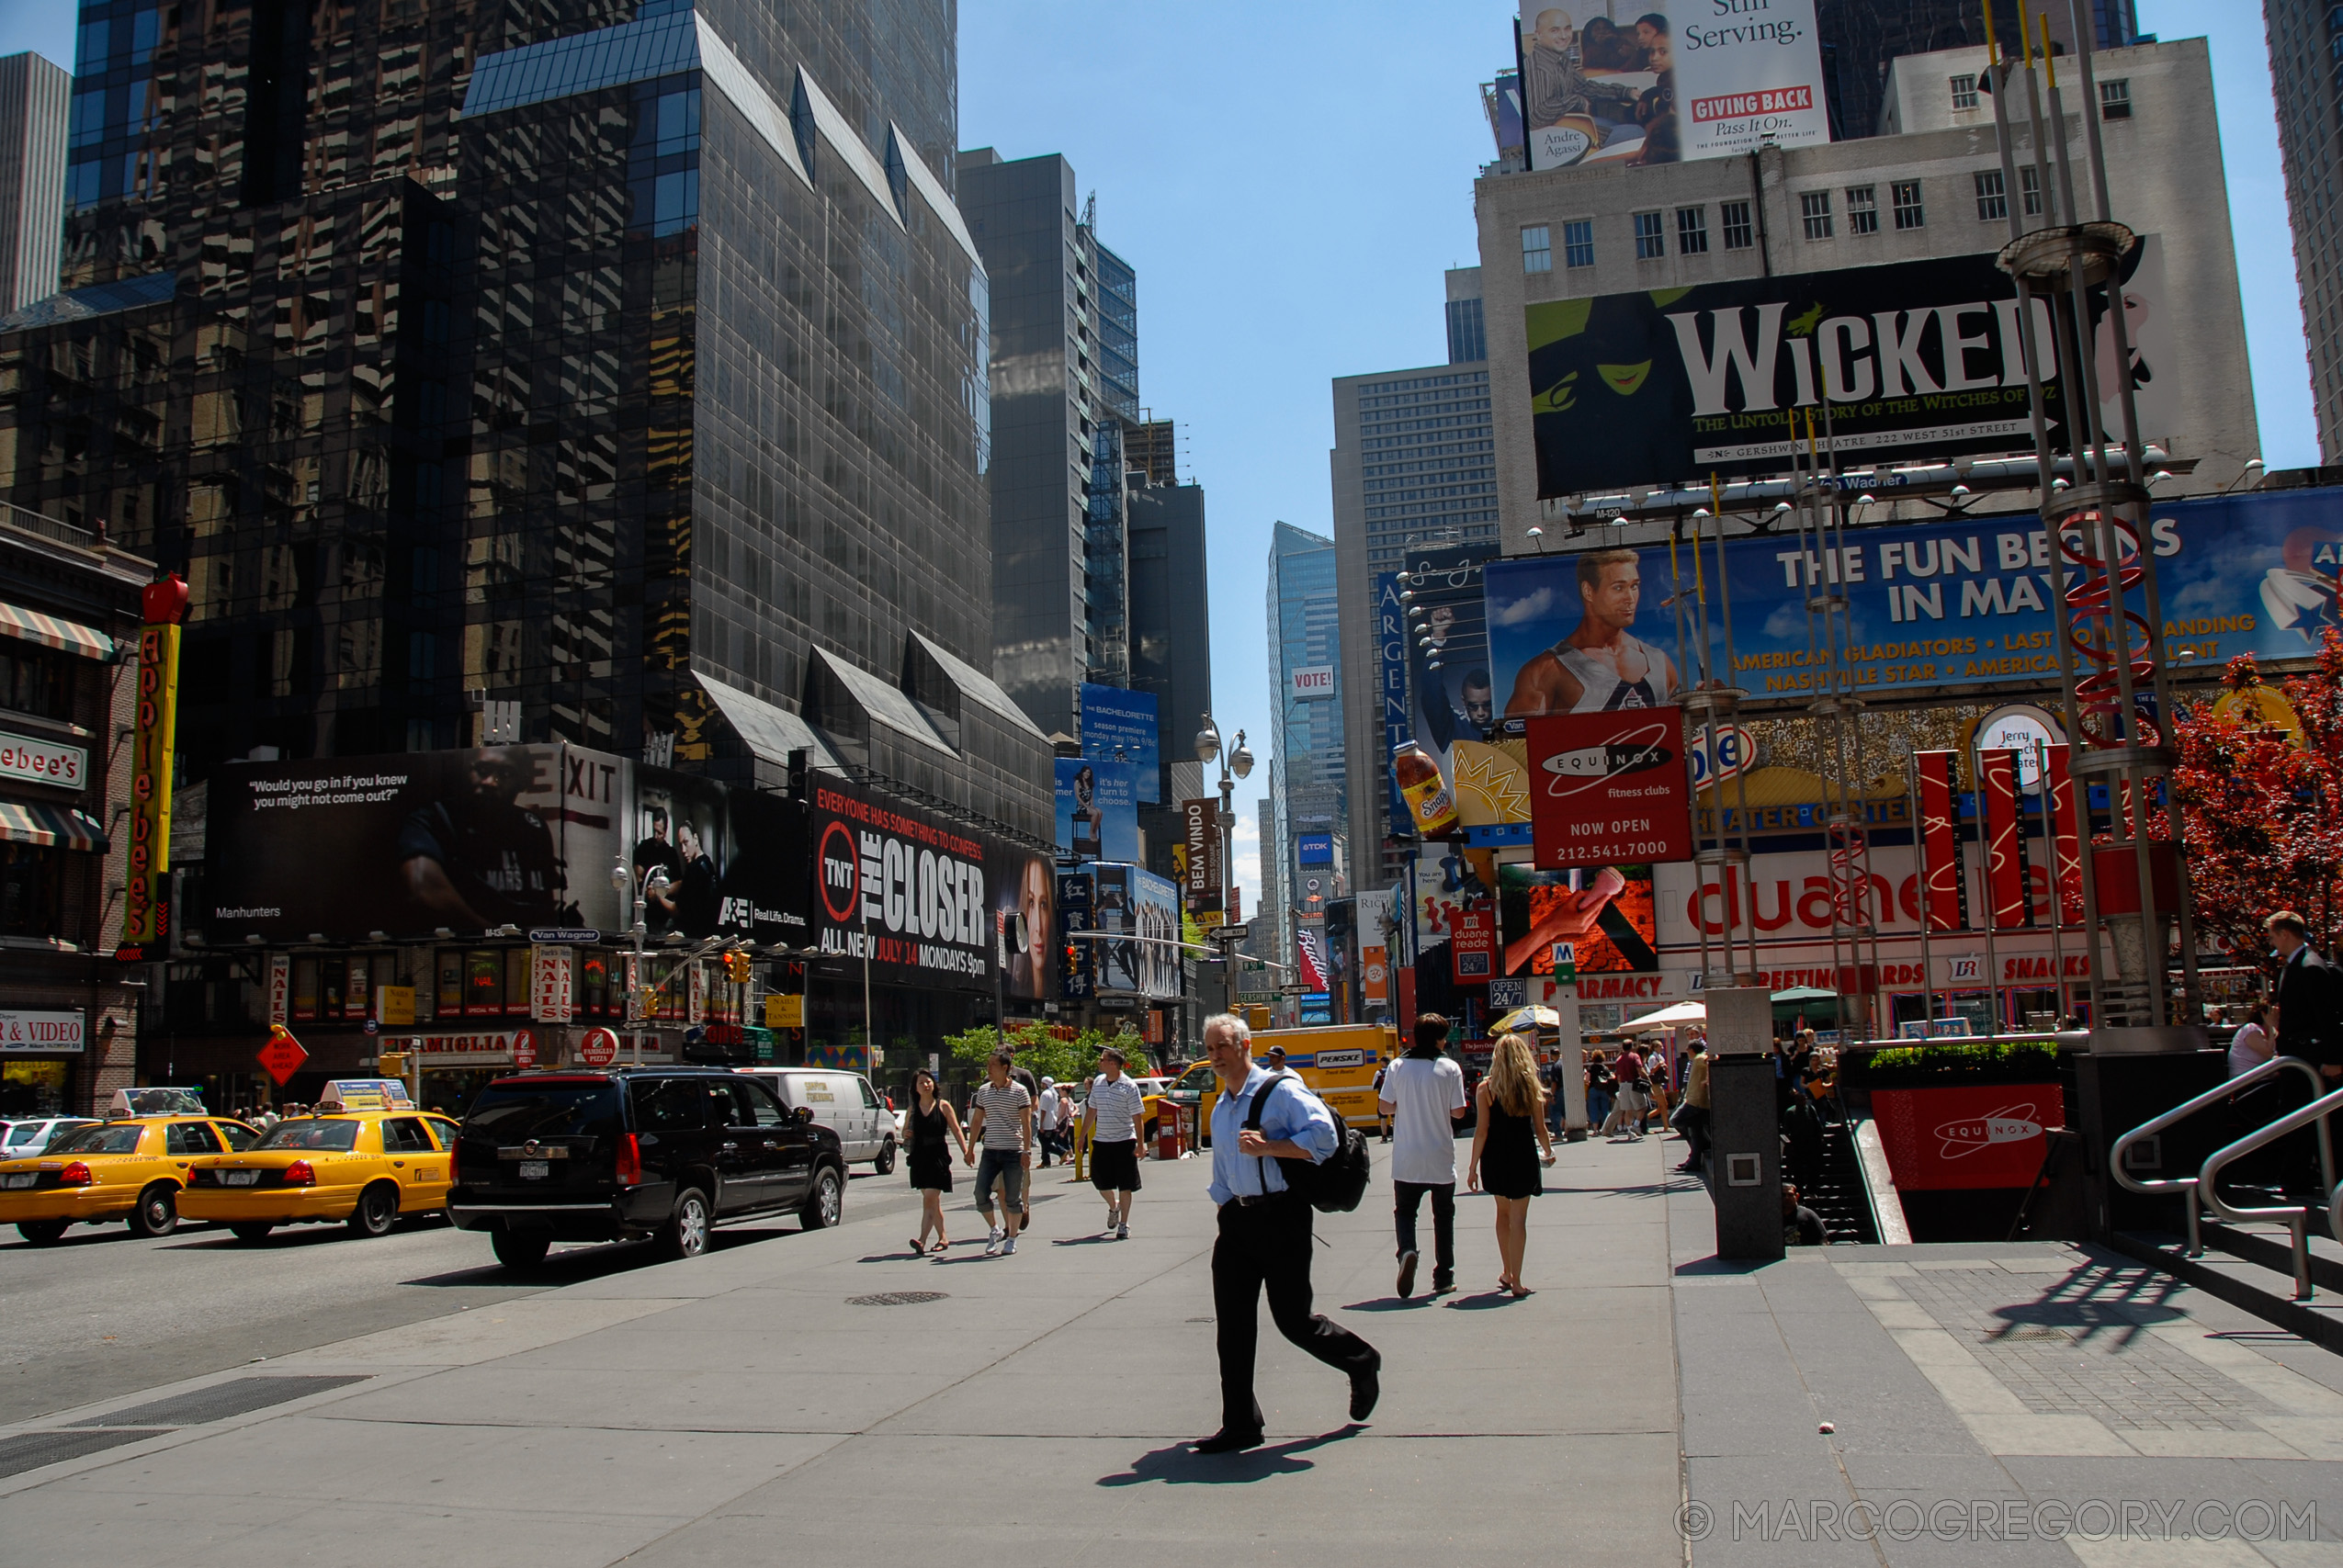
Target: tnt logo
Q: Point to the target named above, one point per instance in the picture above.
(2010, 1124)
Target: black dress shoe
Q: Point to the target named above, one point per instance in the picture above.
(1228, 1443)
(1365, 1389)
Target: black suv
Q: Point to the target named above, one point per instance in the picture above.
(632, 1153)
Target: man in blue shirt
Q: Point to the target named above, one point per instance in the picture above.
(1265, 1240)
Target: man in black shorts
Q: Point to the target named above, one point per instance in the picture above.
(1111, 1121)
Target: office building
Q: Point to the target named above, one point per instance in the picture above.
(1932, 189)
(2307, 79)
(1170, 645)
(1414, 463)
(1307, 781)
(34, 95)
(605, 374)
(1064, 321)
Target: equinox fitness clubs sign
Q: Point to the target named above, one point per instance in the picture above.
(907, 892)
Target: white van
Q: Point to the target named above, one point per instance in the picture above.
(842, 1101)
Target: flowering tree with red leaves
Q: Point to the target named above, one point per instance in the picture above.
(2262, 815)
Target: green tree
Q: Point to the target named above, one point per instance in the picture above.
(1041, 1051)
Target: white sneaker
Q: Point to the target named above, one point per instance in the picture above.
(992, 1243)
(1009, 1248)
(1122, 1233)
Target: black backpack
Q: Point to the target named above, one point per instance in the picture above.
(1333, 1184)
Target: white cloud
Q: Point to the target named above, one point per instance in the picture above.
(1529, 607)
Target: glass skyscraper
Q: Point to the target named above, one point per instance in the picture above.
(1307, 787)
(596, 370)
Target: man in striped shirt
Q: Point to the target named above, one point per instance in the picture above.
(1111, 1118)
(1001, 1119)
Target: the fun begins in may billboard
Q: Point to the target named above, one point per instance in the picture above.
(1660, 80)
(1899, 361)
(1961, 602)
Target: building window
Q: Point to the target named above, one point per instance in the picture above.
(1578, 242)
(1993, 201)
(2115, 99)
(1692, 230)
(1815, 208)
(2030, 184)
(1651, 243)
(1537, 249)
(1735, 218)
(1908, 211)
(1862, 210)
(1964, 92)
(36, 681)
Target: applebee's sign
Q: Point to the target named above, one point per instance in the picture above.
(42, 762)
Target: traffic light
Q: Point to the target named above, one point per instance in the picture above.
(736, 968)
(391, 1064)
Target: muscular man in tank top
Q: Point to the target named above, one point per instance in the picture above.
(1600, 666)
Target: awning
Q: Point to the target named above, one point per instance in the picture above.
(69, 636)
(61, 825)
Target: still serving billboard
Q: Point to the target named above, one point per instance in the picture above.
(1642, 82)
(1908, 359)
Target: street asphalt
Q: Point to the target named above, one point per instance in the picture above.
(829, 1396)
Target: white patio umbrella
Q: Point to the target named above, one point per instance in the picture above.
(1675, 1017)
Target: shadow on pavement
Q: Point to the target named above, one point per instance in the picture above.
(1391, 1304)
(583, 1263)
(1180, 1465)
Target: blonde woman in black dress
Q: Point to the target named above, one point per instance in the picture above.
(1510, 1142)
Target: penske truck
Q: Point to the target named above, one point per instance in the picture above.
(1337, 1062)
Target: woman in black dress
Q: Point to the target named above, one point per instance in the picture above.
(1513, 1113)
(934, 1128)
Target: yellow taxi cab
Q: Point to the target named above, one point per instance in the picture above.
(125, 1168)
(1335, 1062)
(362, 1167)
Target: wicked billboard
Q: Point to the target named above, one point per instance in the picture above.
(921, 899)
(472, 840)
(1915, 359)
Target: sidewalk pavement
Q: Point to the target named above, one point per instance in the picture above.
(758, 1400)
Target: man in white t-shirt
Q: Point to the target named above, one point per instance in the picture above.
(1045, 1120)
(1423, 1093)
(1111, 1115)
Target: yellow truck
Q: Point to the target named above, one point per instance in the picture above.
(1338, 1061)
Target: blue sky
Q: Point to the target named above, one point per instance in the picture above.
(1290, 183)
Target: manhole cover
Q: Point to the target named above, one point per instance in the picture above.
(895, 1298)
(1199, 1320)
(2031, 1331)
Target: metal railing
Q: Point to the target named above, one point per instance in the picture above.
(2197, 1189)
(46, 526)
(2296, 1216)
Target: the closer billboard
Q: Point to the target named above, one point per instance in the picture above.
(1960, 605)
(1914, 358)
(919, 896)
(1660, 81)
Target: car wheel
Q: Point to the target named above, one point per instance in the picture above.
(42, 1233)
(520, 1250)
(377, 1212)
(158, 1211)
(687, 1233)
(256, 1230)
(885, 1163)
(827, 1201)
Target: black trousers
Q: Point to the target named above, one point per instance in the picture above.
(1268, 1246)
(1405, 1197)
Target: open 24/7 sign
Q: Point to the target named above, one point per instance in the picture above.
(1609, 789)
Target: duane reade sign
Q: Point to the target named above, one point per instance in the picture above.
(41, 1033)
(1313, 681)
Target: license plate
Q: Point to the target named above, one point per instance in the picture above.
(15, 1180)
(535, 1169)
(239, 1179)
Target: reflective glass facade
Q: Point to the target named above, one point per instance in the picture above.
(539, 353)
(1307, 782)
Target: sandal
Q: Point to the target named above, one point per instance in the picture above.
(918, 1250)
(1521, 1290)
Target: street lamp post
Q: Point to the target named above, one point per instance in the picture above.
(622, 877)
(1237, 764)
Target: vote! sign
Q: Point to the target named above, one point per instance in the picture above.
(1609, 789)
